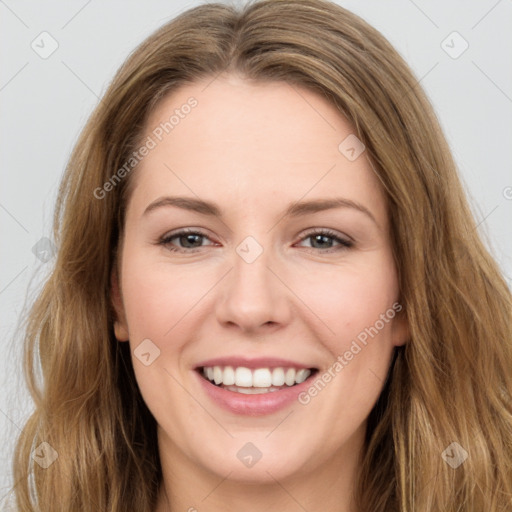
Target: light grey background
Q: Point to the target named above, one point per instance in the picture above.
(45, 103)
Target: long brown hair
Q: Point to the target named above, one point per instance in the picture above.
(451, 383)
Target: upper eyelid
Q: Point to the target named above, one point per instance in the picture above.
(304, 235)
(180, 231)
(329, 231)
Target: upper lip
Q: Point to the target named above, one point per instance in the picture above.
(253, 363)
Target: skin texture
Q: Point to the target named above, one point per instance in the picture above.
(253, 149)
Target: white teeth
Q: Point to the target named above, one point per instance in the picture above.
(243, 377)
(264, 379)
(302, 375)
(251, 391)
(261, 378)
(228, 378)
(277, 377)
(290, 377)
(217, 374)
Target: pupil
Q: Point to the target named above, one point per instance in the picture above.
(189, 238)
(321, 238)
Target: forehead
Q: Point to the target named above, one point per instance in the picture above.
(247, 141)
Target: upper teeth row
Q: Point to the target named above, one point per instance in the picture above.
(260, 378)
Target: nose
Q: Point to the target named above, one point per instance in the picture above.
(252, 297)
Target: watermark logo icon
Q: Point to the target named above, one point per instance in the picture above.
(44, 45)
(249, 455)
(454, 455)
(146, 352)
(45, 455)
(454, 45)
(249, 249)
(44, 249)
(351, 147)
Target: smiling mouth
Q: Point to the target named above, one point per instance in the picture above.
(251, 382)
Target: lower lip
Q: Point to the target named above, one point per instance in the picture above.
(253, 405)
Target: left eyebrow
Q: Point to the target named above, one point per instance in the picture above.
(293, 210)
(318, 205)
(186, 203)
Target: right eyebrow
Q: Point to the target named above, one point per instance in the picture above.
(187, 203)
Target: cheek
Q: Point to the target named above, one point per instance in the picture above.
(155, 298)
(348, 300)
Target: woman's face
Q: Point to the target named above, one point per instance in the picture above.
(270, 279)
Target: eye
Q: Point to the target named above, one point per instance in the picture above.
(188, 239)
(323, 239)
(191, 240)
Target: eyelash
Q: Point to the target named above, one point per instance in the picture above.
(343, 244)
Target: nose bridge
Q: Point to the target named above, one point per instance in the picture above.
(251, 265)
(252, 295)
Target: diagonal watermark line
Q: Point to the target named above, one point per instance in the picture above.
(225, 225)
(286, 490)
(80, 79)
(13, 279)
(311, 106)
(10, 493)
(280, 423)
(492, 81)
(199, 403)
(14, 218)
(75, 15)
(198, 301)
(487, 216)
(181, 180)
(301, 300)
(212, 80)
(2, 2)
(369, 369)
(14, 76)
(302, 197)
(486, 14)
(14, 423)
(424, 13)
(217, 486)
(424, 76)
